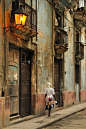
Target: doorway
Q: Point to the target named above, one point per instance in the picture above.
(19, 79)
(57, 80)
(13, 80)
(77, 82)
(25, 83)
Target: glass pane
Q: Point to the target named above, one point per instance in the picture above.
(28, 59)
(23, 58)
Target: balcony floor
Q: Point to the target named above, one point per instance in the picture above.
(60, 48)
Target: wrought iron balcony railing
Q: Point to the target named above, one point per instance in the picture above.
(61, 37)
(79, 51)
(31, 19)
(68, 3)
(80, 15)
(61, 40)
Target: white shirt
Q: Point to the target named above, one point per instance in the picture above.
(50, 92)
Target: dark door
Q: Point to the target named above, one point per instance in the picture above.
(77, 82)
(25, 89)
(13, 79)
(57, 80)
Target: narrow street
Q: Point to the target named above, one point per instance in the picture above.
(76, 121)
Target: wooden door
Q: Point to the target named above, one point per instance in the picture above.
(57, 80)
(13, 79)
(25, 88)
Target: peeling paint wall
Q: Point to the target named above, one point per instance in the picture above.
(44, 47)
(69, 56)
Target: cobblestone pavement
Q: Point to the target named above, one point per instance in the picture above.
(76, 121)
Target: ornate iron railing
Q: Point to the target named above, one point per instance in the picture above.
(79, 50)
(32, 17)
(61, 37)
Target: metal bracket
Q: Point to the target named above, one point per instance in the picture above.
(8, 29)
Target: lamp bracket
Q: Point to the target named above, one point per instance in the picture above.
(5, 31)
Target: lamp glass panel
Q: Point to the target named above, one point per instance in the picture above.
(24, 19)
(20, 19)
(17, 19)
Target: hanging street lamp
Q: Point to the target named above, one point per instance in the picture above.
(20, 16)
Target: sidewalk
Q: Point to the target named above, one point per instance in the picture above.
(43, 121)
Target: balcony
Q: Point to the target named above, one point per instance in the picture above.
(79, 51)
(68, 3)
(61, 38)
(80, 14)
(29, 29)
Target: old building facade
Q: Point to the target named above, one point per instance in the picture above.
(50, 47)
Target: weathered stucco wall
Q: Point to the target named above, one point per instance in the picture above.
(44, 47)
(69, 57)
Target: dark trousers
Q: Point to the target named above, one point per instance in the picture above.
(49, 110)
(49, 107)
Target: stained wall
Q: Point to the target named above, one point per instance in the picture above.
(44, 45)
(69, 56)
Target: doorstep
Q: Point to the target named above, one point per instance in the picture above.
(14, 117)
(17, 119)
